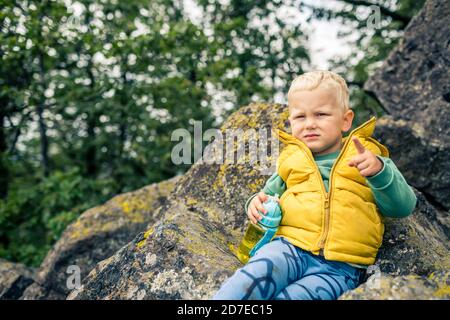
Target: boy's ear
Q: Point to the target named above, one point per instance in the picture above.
(348, 119)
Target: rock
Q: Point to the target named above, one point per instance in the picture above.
(382, 286)
(413, 85)
(14, 279)
(417, 244)
(190, 251)
(96, 235)
(423, 164)
(172, 260)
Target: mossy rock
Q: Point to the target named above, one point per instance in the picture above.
(96, 235)
(411, 287)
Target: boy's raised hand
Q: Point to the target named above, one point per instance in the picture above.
(257, 205)
(365, 161)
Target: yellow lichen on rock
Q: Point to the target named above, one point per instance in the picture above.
(134, 208)
(146, 235)
(443, 292)
(442, 280)
(256, 185)
(191, 201)
(197, 240)
(218, 182)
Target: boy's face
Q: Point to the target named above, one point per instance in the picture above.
(318, 120)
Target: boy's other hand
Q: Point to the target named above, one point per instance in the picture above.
(366, 161)
(257, 205)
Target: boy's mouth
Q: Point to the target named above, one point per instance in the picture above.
(310, 135)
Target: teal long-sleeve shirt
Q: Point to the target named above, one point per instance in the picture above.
(393, 196)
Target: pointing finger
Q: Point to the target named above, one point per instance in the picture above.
(358, 145)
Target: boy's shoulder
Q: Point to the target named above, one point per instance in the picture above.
(286, 152)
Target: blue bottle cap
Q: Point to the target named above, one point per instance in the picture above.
(273, 216)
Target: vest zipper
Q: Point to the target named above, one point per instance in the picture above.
(327, 222)
(326, 227)
(327, 195)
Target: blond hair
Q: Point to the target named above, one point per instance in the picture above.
(326, 79)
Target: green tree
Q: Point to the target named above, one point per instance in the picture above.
(256, 39)
(379, 26)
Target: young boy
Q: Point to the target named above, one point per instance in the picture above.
(335, 194)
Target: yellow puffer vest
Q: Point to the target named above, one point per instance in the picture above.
(343, 224)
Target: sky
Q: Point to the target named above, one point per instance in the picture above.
(324, 43)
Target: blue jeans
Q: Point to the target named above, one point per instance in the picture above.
(281, 271)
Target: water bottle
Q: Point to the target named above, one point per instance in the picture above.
(261, 233)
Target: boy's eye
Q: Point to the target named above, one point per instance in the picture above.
(320, 114)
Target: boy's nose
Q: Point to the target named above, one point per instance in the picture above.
(310, 123)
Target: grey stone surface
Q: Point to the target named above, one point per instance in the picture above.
(14, 279)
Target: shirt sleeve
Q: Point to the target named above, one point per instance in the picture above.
(274, 185)
(393, 196)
